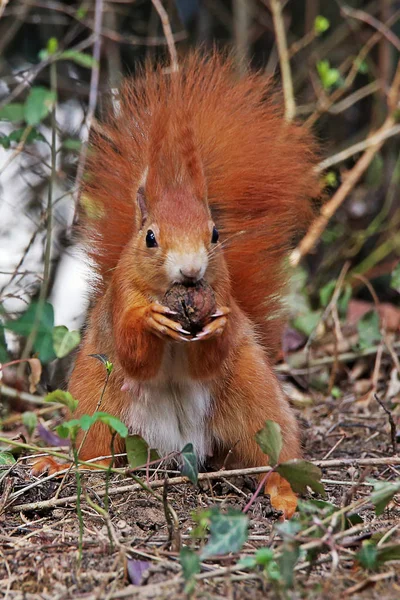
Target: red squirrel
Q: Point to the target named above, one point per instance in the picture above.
(196, 177)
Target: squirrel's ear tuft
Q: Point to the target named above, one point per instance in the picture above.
(142, 205)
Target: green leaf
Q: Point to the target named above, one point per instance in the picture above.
(375, 172)
(38, 104)
(367, 556)
(52, 45)
(33, 136)
(112, 422)
(64, 341)
(307, 322)
(395, 278)
(189, 459)
(86, 421)
(80, 58)
(7, 459)
(81, 12)
(61, 397)
(5, 142)
(68, 429)
(228, 533)
(368, 330)
(331, 179)
(264, 556)
(321, 24)
(247, 562)
(29, 419)
(344, 300)
(71, 144)
(382, 494)
(287, 562)
(300, 474)
(362, 66)
(389, 552)
(43, 343)
(288, 529)
(269, 438)
(137, 451)
(190, 562)
(13, 112)
(326, 293)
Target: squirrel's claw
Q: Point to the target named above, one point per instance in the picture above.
(165, 327)
(221, 312)
(217, 325)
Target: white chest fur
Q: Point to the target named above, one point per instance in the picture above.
(172, 409)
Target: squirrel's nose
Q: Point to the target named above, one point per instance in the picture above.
(191, 274)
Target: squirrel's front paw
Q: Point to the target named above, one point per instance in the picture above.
(216, 326)
(163, 326)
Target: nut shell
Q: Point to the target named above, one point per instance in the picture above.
(194, 304)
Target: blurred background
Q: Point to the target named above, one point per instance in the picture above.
(60, 66)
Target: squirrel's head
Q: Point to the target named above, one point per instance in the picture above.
(177, 240)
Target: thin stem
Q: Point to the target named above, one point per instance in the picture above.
(47, 255)
(284, 61)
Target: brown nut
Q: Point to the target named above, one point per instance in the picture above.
(194, 304)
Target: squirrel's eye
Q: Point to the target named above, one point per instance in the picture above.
(151, 241)
(215, 235)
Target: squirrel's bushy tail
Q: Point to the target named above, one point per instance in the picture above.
(230, 135)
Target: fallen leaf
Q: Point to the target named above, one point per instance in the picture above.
(35, 374)
(281, 494)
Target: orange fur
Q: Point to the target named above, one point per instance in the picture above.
(208, 148)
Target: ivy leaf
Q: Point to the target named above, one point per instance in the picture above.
(190, 562)
(112, 422)
(14, 112)
(29, 419)
(287, 562)
(300, 474)
(367, 556)
(189, 468)
(38, 104)
(269, 438)
(43, 343)
(64, 341)
(137, 451)
(382, 494)
(80, 58)
(368, 330)
(228, 533)
(64, 398)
